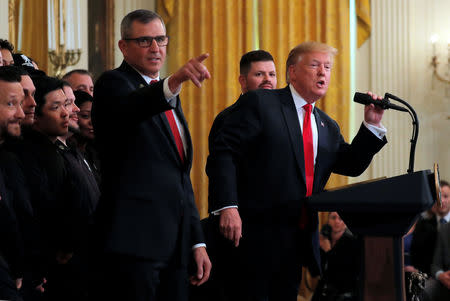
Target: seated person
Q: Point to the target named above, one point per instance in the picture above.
(438, 286)
(426, 232)
(340, 255)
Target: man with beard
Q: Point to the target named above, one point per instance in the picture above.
(11, 247)
(29, 104)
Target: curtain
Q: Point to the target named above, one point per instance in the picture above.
(224, 30)
(282, 25)
(29, 18)
(364, 22)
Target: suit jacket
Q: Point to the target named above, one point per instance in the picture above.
(256, 161)
(441, 258)
(423, 243)
(147, 201)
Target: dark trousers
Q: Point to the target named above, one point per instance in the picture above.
(128, 278)
(265, 267)
(68, 281)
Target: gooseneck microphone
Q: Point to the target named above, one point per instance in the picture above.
(385, 104)
(366, 99)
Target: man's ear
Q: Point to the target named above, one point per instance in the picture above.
(243, 83)
(122, 46)
(291, 72)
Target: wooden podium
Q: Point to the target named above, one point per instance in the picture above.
(381, 212)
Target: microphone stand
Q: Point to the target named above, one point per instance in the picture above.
(415, 132)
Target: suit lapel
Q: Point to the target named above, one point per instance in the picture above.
(178, 111)
(139, 82)
(293, 125)
(189, 150)
(169, 133)
(322, 141)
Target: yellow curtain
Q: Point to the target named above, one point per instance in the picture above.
(13, 17)
(282, 24)
(224, 30)
(33, 24)
(364, 21)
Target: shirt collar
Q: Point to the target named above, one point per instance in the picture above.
(298, 100)
(147, 79)
(446, 217)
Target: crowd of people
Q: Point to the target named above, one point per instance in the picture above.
(96, 198)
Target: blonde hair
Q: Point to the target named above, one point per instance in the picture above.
(295, 55)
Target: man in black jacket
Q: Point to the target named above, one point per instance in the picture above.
(147, 215)
(261, 168)
(11, 247)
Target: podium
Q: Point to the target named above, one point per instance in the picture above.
(381, 212)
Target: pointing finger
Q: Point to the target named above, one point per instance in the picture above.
(202, 57)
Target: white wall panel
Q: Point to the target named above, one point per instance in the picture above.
(398, 60)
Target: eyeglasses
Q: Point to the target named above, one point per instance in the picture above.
(145, 42)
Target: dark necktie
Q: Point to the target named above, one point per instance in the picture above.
(308, 149)
(175, 131)
(442, 221)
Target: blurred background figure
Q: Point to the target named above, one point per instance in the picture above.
(340, 253)
(425, 234)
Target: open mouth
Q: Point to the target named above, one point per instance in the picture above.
(321, 84)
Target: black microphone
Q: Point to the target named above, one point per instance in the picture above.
(385, 104)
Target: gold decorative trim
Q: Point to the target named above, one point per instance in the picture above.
(11, 21)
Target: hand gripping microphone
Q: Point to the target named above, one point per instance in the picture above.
(385, 104)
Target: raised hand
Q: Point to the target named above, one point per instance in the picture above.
(373, 114)
(193, 70)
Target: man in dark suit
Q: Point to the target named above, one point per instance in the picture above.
(256, 71)
(148, 219)
(425, 233)
(438, 286)
(11, 246)
(261, 168)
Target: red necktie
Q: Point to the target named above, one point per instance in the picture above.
(174, 129)
(308, 149)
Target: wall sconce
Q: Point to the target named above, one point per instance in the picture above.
(64, 34)
(435, 63)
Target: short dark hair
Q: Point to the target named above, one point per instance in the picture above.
(5, 44)
(443, 183)
(140, 15)
(76, 71)
(10, 74)
(44, 85)
(253, 56)
(81, 97)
